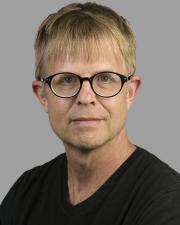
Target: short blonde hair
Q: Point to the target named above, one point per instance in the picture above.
(82, 32)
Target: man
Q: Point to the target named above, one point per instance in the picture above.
(86, 82)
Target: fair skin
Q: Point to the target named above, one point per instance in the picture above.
(92, 128)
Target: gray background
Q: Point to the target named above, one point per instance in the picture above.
(26, 137)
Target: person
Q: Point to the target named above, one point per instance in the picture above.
(86, 83)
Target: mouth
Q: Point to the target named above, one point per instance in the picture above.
(86, 121)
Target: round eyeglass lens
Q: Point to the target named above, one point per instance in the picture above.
(65, 84)
(107, 84)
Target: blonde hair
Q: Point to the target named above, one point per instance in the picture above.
(82, 32)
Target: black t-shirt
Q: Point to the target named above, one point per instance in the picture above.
(142, 191)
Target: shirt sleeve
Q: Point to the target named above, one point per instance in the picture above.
(164, 210)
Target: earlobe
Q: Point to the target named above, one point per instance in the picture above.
(38, 90)
(132, 89)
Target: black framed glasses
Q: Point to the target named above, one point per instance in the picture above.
(105, 84)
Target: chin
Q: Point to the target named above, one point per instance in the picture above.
(84, 146)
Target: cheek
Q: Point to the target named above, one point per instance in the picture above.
(118, 110)
(58, 114)
(120, 113)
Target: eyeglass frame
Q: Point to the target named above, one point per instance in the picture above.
(123, 78)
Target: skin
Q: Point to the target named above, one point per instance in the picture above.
(96, 147)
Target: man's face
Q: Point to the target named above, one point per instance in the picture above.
(86, 121)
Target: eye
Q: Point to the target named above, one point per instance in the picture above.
(65, 79)
(104, 78)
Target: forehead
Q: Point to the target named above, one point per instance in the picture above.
(92, 56)
(107, 61)
(86, 68)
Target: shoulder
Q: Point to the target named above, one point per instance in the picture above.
(29, 183)
(157, 176)
(151, 172)
(159, 192)
(156, 167)
(151, 177)
(160, 171)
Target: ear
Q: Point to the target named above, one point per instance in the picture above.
(39, 91)
(133, 87)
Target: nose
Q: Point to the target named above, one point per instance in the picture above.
(86, 94)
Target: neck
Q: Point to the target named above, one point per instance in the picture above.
(88, 171)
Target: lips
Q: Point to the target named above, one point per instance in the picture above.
(86, 121)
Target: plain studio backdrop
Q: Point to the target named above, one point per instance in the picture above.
(26, 137)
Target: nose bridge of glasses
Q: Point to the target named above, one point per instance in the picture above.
(86, 78)
(89, 79)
